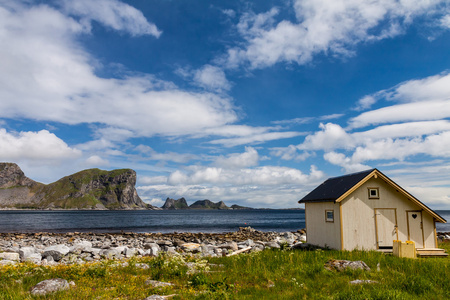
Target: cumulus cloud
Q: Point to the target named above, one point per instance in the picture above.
(212, 78)
(111, 13)
(38, 146)
(266, 186)
(249, 158)
(326, 26)
(62, 85)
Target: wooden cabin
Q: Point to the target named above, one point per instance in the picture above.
(368, 211)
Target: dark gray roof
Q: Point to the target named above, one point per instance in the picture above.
(333, 188)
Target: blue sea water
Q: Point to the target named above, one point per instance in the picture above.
(160, 221)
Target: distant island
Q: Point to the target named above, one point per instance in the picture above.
(91, 189)
(200, 204)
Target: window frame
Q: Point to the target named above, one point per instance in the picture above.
(370, 189)
(327, 219)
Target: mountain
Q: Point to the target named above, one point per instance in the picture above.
(207, 204)
(175, 204)
(88, 189)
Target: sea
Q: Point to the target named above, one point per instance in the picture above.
(164, 221)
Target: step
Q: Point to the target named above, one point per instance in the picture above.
(431, 252)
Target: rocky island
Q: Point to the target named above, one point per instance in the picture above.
(200, 204)
(88, 189)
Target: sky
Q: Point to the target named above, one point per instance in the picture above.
(252, 103)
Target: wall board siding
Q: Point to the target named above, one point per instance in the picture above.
(318, 231)
(359, 229)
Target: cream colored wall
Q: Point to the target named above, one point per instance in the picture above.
(359, 218)
(318, 231)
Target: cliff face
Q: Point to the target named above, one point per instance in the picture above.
(88, 189)
(175, 204)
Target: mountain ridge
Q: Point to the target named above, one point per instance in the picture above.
(87, 189)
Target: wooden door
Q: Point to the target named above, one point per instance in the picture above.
(415, 228)
(386, 227)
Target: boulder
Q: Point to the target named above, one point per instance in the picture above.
(49, 286)
(25, 252)
(10, 256)
(57, 252)
(342, 265)
(82, 246)
(156, 284)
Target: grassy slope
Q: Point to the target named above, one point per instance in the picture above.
(57, 193)
(271, 274)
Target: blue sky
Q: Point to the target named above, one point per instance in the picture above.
(250, 102)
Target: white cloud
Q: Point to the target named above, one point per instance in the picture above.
(42, 146)
(62, 85)
(249, 158)
(112, 13)
(332, 136)
(150, 154)
(96, 161)
(445, 21)
(415, 111)
(323, 26)
(345, 162)
(212, 78)
(267, 186)
(290, 153)
(256, 138)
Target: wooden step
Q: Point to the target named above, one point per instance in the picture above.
(431, 252)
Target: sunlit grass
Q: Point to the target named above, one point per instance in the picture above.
(271, 274)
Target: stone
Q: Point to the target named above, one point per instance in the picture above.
(5, 262)
(49, 286)
(25, 252)
(358, 281)
(82, 246)
(33, 258)
(342, 265)
(233, 246)
(57, 252)
(110, 253)
(157, 284)
(191, 247)
(130, 252)
(273, 245)
(155, 297)
(10, 256)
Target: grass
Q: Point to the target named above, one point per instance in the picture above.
(271, 274)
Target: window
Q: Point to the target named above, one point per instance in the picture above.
(329, 216)
(374, 193)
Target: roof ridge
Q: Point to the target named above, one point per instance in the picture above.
(351, 174)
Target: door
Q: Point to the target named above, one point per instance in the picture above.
(386, 227)
(415, 228)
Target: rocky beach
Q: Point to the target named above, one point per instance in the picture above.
(74, 247)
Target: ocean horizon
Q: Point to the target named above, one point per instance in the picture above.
(164, 221)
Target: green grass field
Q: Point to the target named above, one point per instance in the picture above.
(271, 274)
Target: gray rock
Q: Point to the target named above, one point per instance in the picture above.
(25, 252)
(33, 258)
(49, 286)
(57, 251)
(82, 246)
(272, 245)
(230, 246)
(342, 265)
(156, 284)
(5, 262)
(130, 252)
(10, 256)
(155, 297)
(109, 253)
(358, 281)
